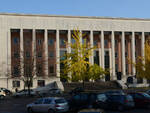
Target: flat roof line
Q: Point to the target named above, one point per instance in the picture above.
(63, 16)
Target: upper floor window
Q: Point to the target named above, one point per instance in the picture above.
(27, 54)
(51, 69)
(95, 42)
(50, 41)
(41, 83)
(16, 40)
(39, 54)
(106, 42)
(62, 41)
(16, 71)
(39, 41)
(116, 54)
(51, 54)
(16, 55)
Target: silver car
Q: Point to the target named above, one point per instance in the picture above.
(48, 105)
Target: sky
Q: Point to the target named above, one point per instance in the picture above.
(101, 8)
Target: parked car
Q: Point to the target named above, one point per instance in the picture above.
(2, 94)
(24, 92)
(76, 90)
(116, 101)
(48, 105)
(141, 99)
(120, 92)
(81, 100)
(55, 91)
(91, 111)
(148, 92)
(6, 91)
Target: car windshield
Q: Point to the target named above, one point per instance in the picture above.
(146, 95)
(60, 101)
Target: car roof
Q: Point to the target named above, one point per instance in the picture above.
(53, 98)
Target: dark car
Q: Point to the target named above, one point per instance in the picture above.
(110, 92)
(115, 101)
(76, 90)
(81, 100)
(141, 99)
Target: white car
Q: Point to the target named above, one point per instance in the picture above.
(48, 105)
(24, 93)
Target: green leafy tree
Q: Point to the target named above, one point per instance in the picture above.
(76, 64)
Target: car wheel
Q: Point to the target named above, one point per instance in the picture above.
(1, 97)
(120, 108)
(51, 111)
(30, 110)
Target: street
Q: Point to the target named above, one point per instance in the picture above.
(18, 105)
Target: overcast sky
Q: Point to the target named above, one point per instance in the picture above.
(109, 8)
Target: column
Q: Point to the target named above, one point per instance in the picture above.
(9, 52)
(123, 55)
(102, 49)
(57, 54)
(46, 51)
(133, 52)
(21, 53)
(91, 44)
(69, 42)
(143, 52)
(34, 50)
(113, 55)
(142, 45)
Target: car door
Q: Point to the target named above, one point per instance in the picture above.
(37, 106)
(47, 104)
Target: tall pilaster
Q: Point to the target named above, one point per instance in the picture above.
(133, 52)
(142, 45)
(69, 42)
(91, 44)
(21, 53)
(34, 50)
(123, 55)
(57, 54)
(113, 55)
(46, 51)
(102, 49)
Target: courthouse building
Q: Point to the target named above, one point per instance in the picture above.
(23, 36)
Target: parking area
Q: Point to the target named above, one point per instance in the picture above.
(18, 105)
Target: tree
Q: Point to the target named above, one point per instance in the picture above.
(76, 64)
(143, 63)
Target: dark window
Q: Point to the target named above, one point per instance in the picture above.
(50, 41)
(116, 54)
(16, 40)
(28, 42)
(116, 42)
(47, 101)
(16, 71)
(96, 57)
(62, 41)
(95, 42)
(126, 54)
(41, 83)
(16, 55)
(39, 69)
(39, 41)
(51, 69)
(39, 101)
(106, 42)
(39, 54)
(51, 54)
(16, 83)
(27, 54)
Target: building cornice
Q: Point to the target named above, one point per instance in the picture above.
(81, 17)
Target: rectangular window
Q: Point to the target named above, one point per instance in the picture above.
(50, 41)
(27, 54)
(16, 55)
(95, 42)
(51, 54)
(62, 53)
(16, 40)
(116, 67)
(106, 42)
(116, 54)
(116, 42)
(16, 83)
(16, 71)
(39, 54)
(62, 42)
(29, 83)
(51, 69)
(126, 54)
(41, 83)
(96, 57)
(39, 41)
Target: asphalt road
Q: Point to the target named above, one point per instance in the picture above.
(18, 105)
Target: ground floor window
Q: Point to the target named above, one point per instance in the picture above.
(16, 83)
(41, 83)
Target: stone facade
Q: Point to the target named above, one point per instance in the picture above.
(116, 38)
